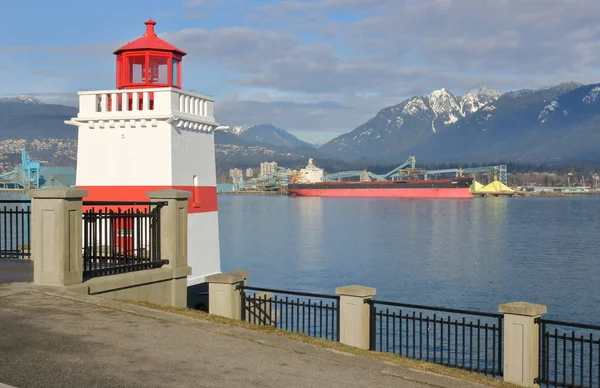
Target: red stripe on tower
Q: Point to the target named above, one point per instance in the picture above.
(203, 199)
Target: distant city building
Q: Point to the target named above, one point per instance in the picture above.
(249, 172)
(235, 173)
(268, 169)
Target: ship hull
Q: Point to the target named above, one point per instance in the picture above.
(455, 188)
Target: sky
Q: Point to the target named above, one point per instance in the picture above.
(317, 68)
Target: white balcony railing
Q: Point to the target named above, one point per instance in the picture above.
(141, 103)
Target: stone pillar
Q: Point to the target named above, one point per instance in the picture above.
(56, 234)
(521, 342)
(174, 239)
(224, 299)
(354, 315)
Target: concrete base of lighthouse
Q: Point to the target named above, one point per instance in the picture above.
(197, 297)
(202, 244)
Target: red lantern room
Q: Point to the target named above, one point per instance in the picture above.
(149, 62)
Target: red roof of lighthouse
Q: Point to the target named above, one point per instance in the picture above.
(150, 41)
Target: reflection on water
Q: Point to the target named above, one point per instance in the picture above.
(462, 253)
(310, 240)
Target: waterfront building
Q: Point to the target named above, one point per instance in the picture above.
(268, 169)
(235, 173)
(249, 172)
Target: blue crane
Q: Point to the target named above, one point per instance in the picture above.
(30, 177)
(26, 175)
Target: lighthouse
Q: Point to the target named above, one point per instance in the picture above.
(149, 134)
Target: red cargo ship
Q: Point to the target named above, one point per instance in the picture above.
(443, 188)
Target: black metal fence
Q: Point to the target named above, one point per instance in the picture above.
(121, 237)
(456, 338)
(315, 315)
(569, 354)
(15, 229)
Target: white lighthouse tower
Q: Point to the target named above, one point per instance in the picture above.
(148, 135)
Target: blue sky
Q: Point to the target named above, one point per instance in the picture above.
(317, 68)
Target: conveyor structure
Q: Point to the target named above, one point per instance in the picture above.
(500, 171)
(364, 175)
(407, 170)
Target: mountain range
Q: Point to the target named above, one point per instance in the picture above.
(269, 134)
(554, 123)
(560, 123)
(26, 122)
(395, 130)
(26, 117)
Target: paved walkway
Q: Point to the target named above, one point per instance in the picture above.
(47, 340)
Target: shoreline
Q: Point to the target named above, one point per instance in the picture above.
(542, 194)
(252, 193)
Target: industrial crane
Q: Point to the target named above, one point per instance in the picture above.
(26, 175)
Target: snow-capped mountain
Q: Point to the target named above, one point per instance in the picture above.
(25, 117)
(236, 129)
(581, 102)
(558, 122)
(26, 122)
(398, 128)
(475, 99)
(21, 99)
(268, 134)
(549, 124)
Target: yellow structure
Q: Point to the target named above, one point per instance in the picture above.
(495, 187)
(475, 187)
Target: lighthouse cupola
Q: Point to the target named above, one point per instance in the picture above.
(149, 62)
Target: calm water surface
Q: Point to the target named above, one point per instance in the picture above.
(471, 254)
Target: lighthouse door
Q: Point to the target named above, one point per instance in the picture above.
(124, 239)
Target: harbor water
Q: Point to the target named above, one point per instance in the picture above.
(466, 254)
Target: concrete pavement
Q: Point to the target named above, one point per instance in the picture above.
(57, 339)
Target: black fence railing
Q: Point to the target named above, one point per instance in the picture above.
(569, 354)
(15, 229)
(456, 338)
(121, 237)
(315, 315)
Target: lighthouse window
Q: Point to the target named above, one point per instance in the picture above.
(196, 192)
(175, 72)
(137, 70)
(159, 70)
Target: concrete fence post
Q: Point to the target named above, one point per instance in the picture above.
(174, 239)
(224, 298)
(56, 236)
(354, 315)
(521, 342)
